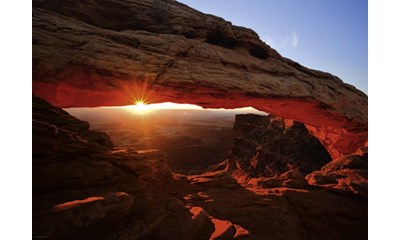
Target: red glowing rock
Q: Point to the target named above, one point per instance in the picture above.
(166, 51)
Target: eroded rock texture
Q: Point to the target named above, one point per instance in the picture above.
(110, 52)
(266, 146)
(84, 188)
(347, 173)
(289, 210)
(80, 183)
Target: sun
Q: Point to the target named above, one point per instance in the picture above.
(140, 107)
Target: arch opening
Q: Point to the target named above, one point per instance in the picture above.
(116, 53)
(341, 135)
(196, 140)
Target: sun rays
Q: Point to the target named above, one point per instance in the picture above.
(140, 107)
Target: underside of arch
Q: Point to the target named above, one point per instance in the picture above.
(110, 53)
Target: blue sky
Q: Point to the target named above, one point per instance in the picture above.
(328, 35)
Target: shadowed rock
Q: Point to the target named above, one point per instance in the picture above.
(82, 187)
(91, 191)
(266, 146)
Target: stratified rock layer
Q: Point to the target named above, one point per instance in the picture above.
(110, 52)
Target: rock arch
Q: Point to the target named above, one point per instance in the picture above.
(98, 53)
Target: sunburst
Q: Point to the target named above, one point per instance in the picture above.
(141, 107)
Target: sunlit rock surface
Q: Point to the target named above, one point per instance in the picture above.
(92, 190)
(280, 212)
(109, 52)
(347, 173)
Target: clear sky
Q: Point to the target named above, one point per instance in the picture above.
(327, 35)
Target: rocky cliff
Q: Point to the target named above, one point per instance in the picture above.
(83, 188)
(111, 52)
(271, 152)
(266, 146)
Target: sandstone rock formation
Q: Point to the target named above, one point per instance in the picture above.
(279, 212)
(110, 52)
(345, 173)
(290, 179)
(80, 182)
(84, 188)
(266, 146)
